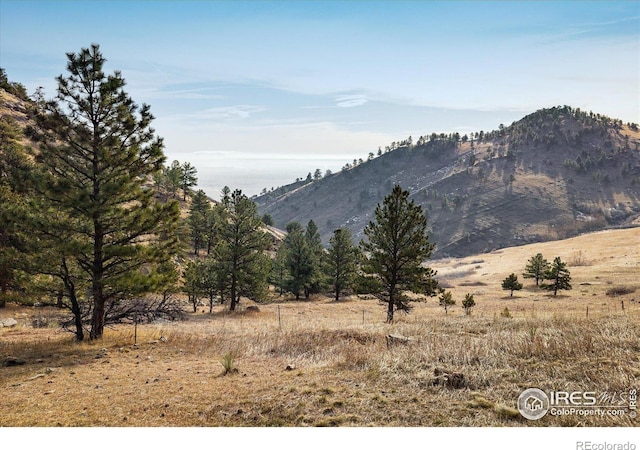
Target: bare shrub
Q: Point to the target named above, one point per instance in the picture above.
(620, 290)
(578, 258)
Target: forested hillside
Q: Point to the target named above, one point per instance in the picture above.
(555, 173)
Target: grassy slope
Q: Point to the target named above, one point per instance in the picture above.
(344, 372)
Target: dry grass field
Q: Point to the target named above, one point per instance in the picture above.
(322, 363)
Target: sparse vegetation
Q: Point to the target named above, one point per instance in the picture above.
(620, 290)
(228, 362)
(446, 300)
(578, 258)
(468, 303)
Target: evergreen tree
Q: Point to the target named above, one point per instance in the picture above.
(536, 267)
(397, 246)
(341, 261)
(511, 283)
(267, 219)
(559, 276)
(299, 259)
(280, 277)
(317, 258)
(445, 300)
(239, 253)
(213, 219)
(468, 303)
(212, 281)
(96, 152)
(254, 283)
(199, 213)
(225, 195)
(173, 176)
(14, 168)
(192, 282)
(188, 178)
(13, 88)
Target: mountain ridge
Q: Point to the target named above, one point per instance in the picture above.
(555, 173)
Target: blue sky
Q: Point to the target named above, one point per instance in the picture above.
(258, 93)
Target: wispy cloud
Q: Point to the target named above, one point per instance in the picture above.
(626, 26)
(187, 94)
(220, 113)
(233, 112)
(349, 101)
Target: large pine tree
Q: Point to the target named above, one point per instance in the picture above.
(97, 154)
(298, 259)
(199, 213)
(341, 261)
(240, 252)
(536, 267)
(312, 235)
(396, 248)
(559, 276)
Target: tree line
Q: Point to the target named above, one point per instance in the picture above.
(388, 264)
(90, 217)
(549, 276)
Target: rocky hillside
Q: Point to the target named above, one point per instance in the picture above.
(553, 174)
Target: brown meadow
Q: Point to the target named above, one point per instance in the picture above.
(326, 363)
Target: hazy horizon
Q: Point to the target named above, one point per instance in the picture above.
(258, 93)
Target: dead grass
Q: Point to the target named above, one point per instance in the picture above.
(327, 364)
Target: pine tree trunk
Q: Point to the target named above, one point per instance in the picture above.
(232, 305)
(97, 318)
(4, 288)
(77, 316)
(390, 306)
(75, 306)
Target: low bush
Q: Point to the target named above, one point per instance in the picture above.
(620, 290)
